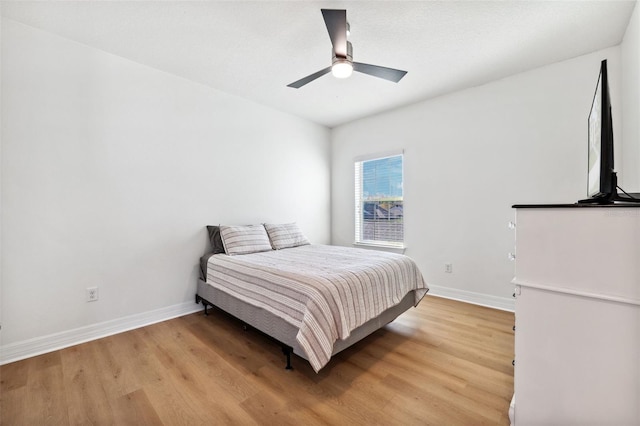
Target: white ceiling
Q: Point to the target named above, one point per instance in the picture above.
(254, 49)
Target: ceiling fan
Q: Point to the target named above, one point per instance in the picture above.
(342, 64)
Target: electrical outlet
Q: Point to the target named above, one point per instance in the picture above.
(448, 268)
(92, 294)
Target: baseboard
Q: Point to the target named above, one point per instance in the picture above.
(502, 303)
(52, 342)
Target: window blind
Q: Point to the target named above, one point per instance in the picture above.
(379, 200)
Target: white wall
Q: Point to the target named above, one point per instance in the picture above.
(110, 172)
(1, 316)
(630, 51)
(471, 155)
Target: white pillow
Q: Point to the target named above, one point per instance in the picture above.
(285, 235)
(244, 239)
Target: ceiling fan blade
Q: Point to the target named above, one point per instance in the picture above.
(381, 72)
(336, 22)
(308, 79)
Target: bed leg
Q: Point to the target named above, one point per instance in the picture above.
(287, 351)
(200, 299)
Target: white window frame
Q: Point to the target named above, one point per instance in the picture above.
(359, 201)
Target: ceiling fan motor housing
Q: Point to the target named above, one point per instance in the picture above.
(339, 58)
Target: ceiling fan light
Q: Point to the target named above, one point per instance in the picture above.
(341, 69)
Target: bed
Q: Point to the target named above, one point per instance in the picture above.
(316, 300)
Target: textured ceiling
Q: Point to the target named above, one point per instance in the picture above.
(254, 49)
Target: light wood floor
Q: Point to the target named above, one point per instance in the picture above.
(443, 363)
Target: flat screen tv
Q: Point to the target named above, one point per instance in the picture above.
(602, 186)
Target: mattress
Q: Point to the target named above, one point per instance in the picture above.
(323, 292)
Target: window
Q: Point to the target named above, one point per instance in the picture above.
(379, 201)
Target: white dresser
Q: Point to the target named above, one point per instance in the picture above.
(577, 339)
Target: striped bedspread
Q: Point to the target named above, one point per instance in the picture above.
(325, 291)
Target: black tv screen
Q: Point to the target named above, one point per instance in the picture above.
(601, 168)
(602, 186)
(595, 131)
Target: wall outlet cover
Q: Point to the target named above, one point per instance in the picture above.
(92, 294)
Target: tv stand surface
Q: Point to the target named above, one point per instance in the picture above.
(627, 198)
(578, 205)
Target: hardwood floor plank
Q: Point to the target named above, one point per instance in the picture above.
(173, 406)
(135, 409)
(246, 350)
(13, 406)
(41, 362)
(442, 363)
(45, 390)
(83, 384)
(472, 410)
(13, 376)
(425, 409)
(184, 372)
(271, 409)
(214, 368)
(324, 398)
(116, 364)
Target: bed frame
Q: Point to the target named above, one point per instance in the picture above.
(283, 332)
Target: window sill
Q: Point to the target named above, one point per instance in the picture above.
(400, 248)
